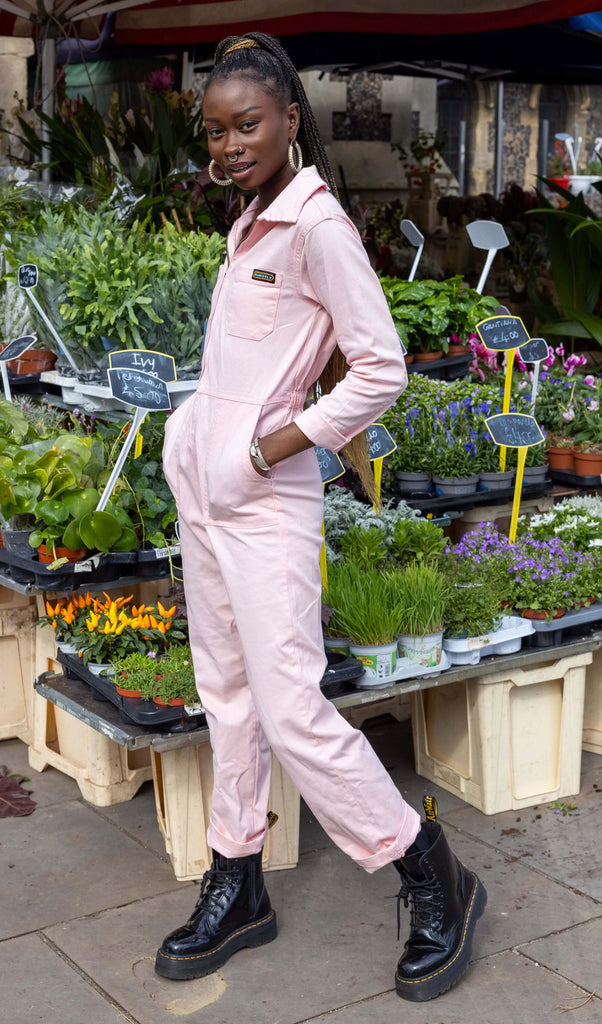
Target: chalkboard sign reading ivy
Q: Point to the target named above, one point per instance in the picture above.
(139, 389)
(502, 333)
(514, 430)
(331, 467)
(27, 275)
(155, 363)
(16, 348)
(380, 442)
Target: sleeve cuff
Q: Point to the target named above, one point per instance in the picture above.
(319, 431)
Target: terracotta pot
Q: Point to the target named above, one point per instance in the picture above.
(409, 358)
(561, 458)
(123, 692)
(428, 357)
(531, 613)
(587, 463)
(34, 360)
(458, 350)
(174, 702)
(49, 556)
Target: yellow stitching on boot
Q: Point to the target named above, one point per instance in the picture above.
(417, 981)
(199, 956)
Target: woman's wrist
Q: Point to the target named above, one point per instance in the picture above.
(283, 443)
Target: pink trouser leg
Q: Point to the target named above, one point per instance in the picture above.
(260, 683)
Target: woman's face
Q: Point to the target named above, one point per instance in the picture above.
(249, 131)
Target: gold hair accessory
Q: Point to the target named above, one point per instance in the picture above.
(242, 44)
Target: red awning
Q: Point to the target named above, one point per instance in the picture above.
(170, 22)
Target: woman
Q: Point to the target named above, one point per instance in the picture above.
(295, 301)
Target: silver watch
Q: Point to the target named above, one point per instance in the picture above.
(255, 453)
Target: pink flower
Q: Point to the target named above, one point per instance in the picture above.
(590, 380)
(550, 360)
(568, 416)
(560, 350)
(160, 81)
(593, 406)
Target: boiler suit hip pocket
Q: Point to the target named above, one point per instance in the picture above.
(175, 436)
(235, 491)
(252, 303)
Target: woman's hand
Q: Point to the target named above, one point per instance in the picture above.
(260, 472)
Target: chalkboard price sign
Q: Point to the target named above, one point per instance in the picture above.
(139, 389)
(514, 430)
(380, 442)
(535, 351)
(155, 363)
(502, 333)
(16, 348)
(331, 467)
(27, 275)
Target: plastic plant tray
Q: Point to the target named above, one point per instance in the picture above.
(506, 640)
(141, 712)
(94, 569)
(405, 669)
(561, 476)
(550, 634)
(342, 670)
(436, 503)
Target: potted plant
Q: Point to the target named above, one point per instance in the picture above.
(487, 463)
(536, 572)
(560, 452)
(364, 547)
(419, 596)
(135, 675)
(361, 599)
(175, 680)
(417, 540)
(452, 464)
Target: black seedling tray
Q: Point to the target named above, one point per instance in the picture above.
(428, 503)
(554, 633)
(561, 476)
(92, 570)
(155, 562)
(133, 709)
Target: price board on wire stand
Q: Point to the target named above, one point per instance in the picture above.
(16, 348)
(515, 430)
(535, 351)
(502, 333)
(27, 275)
(139, 389)
(156, 363)
(331, 467)
(380, 442)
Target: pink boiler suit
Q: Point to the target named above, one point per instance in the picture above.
(299, 282)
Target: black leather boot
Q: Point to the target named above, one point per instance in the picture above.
(232, 911)
(446, 901)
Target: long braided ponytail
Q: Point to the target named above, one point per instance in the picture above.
(262, 58)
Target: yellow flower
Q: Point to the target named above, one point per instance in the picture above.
(166, 613)
(153, 622)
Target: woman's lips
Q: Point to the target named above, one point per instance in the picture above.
(241, 169)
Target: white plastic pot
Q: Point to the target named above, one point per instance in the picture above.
(340, 644)
(379, 662)
(424, 650)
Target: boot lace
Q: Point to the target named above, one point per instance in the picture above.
(419, 896)
(214, 884)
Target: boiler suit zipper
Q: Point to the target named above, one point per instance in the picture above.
(250, 544)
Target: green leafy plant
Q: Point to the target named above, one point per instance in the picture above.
(175, 676)
(472, 609)
(419, 595)
(426, 313)
(364, 547)
(417, 540)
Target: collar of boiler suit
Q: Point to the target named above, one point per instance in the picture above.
(287, 206)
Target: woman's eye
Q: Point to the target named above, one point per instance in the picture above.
(248, 124)
(215, 133)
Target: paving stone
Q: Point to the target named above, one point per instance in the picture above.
(502, 989)
(138, 817)
(38, 987)
(566, 847)
(64, 861)
(337, 940)
(47, 787)
(574, 953)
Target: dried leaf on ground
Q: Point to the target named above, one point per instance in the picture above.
(15, 802)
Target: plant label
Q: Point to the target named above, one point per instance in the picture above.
(502, 333)
(27, 275)
(331, 467)
(139, 389)
(514, 430)
(380, 442)
(155, 363)
(535, 351)
(16, 348)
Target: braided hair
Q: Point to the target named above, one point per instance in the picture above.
(263, 59)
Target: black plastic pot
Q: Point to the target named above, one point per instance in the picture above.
(342, 669)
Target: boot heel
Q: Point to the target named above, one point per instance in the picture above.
(266, 932)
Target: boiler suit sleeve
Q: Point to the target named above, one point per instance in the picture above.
(336, 271)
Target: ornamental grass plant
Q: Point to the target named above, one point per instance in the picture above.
(419, 596)
(363, 604)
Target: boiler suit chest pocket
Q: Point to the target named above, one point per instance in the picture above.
(252, 302)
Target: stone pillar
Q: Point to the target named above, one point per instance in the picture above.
(13, 71)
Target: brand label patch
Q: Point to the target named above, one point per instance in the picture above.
(264, 275)
(430, 808)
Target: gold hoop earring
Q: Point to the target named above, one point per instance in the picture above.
(295, 156)
(214, 177)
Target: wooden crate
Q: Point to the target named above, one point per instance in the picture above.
(18, 614)
(592, 711)
(183, 781)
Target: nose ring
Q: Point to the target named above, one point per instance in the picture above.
(231, 159)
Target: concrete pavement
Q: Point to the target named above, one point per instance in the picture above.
(88, 893)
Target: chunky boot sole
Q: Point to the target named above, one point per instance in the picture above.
(184, 968)
(419, 990)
